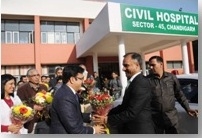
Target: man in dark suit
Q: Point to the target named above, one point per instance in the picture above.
(66, 116)
(133, 116)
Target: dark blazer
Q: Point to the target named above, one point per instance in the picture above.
(134, 114)
(66, 116)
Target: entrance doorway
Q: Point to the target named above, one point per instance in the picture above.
(105, 69)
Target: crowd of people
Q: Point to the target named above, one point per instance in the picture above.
(148, 106)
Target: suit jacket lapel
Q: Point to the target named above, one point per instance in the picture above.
(132, 85)
(76, 98)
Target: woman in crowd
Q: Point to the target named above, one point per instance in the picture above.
(9, 99)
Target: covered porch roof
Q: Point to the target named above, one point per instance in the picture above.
(102, 35)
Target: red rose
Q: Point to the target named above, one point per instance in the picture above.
(23, 110)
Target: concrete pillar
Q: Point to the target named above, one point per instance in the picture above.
(121, 48)
(191, 57)
(37, 43)
(95, 62)
(185, 59)
(143, 64)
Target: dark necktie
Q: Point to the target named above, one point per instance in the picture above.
(77, 97)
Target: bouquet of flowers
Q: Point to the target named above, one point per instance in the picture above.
(89, 83)
(101, 103)
(43, 98)
(87, 89)
(20, 114)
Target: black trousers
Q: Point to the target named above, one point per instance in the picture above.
(41, 128)
(166, 125)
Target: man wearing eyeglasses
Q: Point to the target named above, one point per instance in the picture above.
(27, 91)
(66, 116)
(165, 89)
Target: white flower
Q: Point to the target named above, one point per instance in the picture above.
(40, 100)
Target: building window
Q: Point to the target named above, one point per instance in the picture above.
(24, 37)
(63, 38)
(17, 31)
(57, 38)
(70, 37)
(51, 37)
(60, 32)
(15, 37)
(174, 64)
(8, 37)
(12, 37)
(76, 37)
(44, 37)
(2, 37)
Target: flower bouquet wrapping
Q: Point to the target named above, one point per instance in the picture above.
(20, 114)
(101, 104)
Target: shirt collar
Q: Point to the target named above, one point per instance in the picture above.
(34, 86)
(133, 77)
(72, 89)
(165, 74)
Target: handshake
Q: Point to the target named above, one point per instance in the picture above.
(100, 124)
(99, 119)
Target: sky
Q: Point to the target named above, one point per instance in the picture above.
(190, 6)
